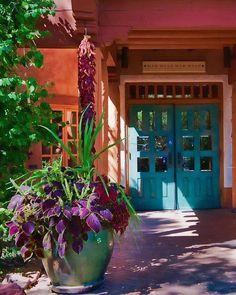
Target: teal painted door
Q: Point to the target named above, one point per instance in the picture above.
(197, 148)
(151, 150)
(174, 157)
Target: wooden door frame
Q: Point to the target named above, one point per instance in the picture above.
(124, 113)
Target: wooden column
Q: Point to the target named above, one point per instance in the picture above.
(101, 102)
(234, 144)
(232, 78)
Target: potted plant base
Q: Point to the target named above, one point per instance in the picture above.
(78, 273)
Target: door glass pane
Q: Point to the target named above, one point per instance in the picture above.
(59, 132)
(196, 120)
(46, 150)
(188, 143)
(56, 149)
(206, 164)
(164, 120)
(161, 164)
(205, 143)
(215, 91)
(141, 91)
(71, 132)
(140, 120)
(151, 121)
(72, 146)
(160, 91)
(196, 91)
(151, 91)
(178, 91)
(70, 117)
(132, 91)
(205, 91)
(161, 143)
(143, 164)
(184, 120)
(169, 91)
(188, 163)
(187, 92)
(143, 143)
(208, 119)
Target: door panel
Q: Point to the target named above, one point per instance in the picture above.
(174, 156)
(151, 157)
(197, 147)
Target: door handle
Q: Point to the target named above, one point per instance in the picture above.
(170, 159)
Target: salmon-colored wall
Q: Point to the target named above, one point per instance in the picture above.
(61, 68)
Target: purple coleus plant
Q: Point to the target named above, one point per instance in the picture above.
(59, 209)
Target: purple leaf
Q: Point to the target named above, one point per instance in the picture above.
(57, 210)
(48, 204)
(106, 214)
(15, 201)
(26, 253)
(51, 212)
(62, 249)
(61, 238)
(67, 214)
(28, 228)
(47, 189)
(21, 239)
(41, 229)
(57, 184)
(47, 243)
(75, 211)
(9, 223)
(93, 197)
(83, 212)
(79, 186)
(53, 221)
(75, 226)
(60, 227)
(93, 222)
(77, 245)
(39, 253)
(13, 230)
(83, 203)
(57, 193)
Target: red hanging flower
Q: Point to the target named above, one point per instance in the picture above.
(86, 78)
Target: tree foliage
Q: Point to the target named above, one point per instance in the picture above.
(22, 99)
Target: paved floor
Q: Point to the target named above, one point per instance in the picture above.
(172, 252)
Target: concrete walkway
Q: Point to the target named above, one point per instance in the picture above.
(172, 252)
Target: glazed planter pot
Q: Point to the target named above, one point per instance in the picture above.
(77, 273)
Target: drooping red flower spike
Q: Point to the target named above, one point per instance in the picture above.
(86, 78)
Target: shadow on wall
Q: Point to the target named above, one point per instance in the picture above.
(67, 27)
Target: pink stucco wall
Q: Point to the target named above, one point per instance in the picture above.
(116, 18)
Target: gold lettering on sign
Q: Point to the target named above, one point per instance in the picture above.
(174, 67)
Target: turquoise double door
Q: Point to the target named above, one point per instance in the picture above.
(174, 157)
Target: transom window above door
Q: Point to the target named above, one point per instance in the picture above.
(176, 90)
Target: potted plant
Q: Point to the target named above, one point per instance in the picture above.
(67, 216)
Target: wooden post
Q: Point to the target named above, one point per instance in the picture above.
(234, 144)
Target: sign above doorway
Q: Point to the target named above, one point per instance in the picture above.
(174, 67)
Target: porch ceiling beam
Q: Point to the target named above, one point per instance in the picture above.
(183, 39)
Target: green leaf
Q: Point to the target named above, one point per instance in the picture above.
(38, 59)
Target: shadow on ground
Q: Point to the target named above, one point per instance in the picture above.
(174, 252)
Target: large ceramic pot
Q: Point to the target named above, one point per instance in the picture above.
(77, 273)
